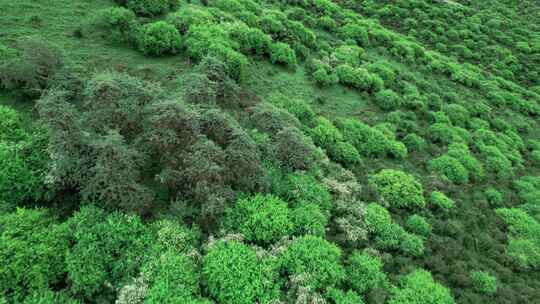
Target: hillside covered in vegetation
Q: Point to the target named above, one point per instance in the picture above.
(276, 151)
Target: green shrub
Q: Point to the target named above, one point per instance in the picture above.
(412, 245)
(459, 115)
(235, 62)
(106, 250)
(364, 272)
(445, 134)
(348, 54)
(524, 244)
(252, 40)
(282, 53)
(228, 265)
(190, 16)
(325, 134)
(355, 32)
(344, 153)
(397, 149)
(460, 151)
(159, 38)
(150, 7)
(297, 107)
(23, 168)
(262, 219)
(441, 201)
(340, 297)
(299, 188)
(493, 197)
(413, 142)
(11, 125)
(484, 282)
(32, 251)
(535, 157)
(449, 168)
(308, 220)
(315, 258)
(367, 140)
(358, 78)
(325, 77)
(387, 100)
(119, 21)
(417, 224)
(419, 287)
(172, 277)
(398, 189)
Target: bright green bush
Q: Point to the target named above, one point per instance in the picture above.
(441, 201)
(297, 107)
(315, 258)
(364, 272)
(493, 197)
(398, 189)
(344, 153)
(414, 142)
(325, 77)
(119, 21)
(458, 114)
(189, 16)
(449, 168)
(412, 245)
(235, 62)
(417, 224)
(348, 54)
(358, 78)
(11, 125)
(159, 38)
(172, 277)
(299, 188)
(460, 151)
(367, 140)
(150, 7)
(23, 168)
(282, 53)
(308, 220)
(419, 287)
(484, 282)
(32, 250)
(228, 265)
(387, 100)
(524, 244)
(397, 149)
(106, 250)
(325, 134)
(262, 219)
(355, 32)
(252, 40)
(340, 297)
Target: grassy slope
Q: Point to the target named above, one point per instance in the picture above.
(473, 236)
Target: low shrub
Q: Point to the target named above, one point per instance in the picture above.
(315, 258)
(308, 220)
(263, 219)
(282, 53)
(450, 169)
(441, 201)
(159, 38)
(150, 7)
(484, 282)
(418, 225)
(387, 100)
(398, 189)
(365, 272)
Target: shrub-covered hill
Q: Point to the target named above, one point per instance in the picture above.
(239, 151)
